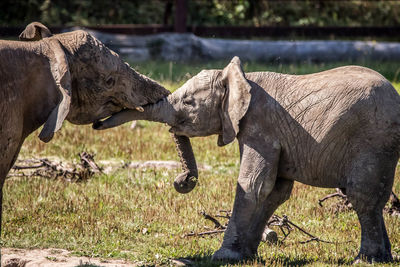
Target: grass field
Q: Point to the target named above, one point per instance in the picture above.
(137, 214)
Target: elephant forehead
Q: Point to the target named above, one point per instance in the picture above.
(202, 84)
(202, 80)
(192, 88)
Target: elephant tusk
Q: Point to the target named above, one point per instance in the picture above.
(140, 109)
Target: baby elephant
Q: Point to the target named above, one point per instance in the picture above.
(70, 76)
(337, 128)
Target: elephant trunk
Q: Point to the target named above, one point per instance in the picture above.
(140, 90)
(152, 90)
(162, 111)
(186, 181)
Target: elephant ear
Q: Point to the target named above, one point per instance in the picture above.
(35, 31)
(62, 78)
(235, 101)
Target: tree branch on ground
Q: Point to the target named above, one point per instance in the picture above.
(285, 225)
(217, 224)
(338, 193)
(392, 209)
(72, 172)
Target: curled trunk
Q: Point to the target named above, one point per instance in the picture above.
(162, 111)
(186, 181)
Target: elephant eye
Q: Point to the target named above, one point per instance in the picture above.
(181, 121)
(188, 101)
(110, 81)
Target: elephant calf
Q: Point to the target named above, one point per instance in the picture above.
(337, 128)
(52, 78)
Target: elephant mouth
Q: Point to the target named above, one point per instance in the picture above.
(99, 122)
(175, 130)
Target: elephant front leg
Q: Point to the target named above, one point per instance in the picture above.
(259, 192)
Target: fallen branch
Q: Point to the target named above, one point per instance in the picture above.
(205, 233)
(227, 214)
(217, 224)
(68, 170)
(337, 194)
(395, 205)
(54, 169)
(285, 221)
(16, 167)
(394, 202)
(71, 171)
(87, 160)
(219, 228)
(285, 225)
(282, 223)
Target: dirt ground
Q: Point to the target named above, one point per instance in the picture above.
(13, 257)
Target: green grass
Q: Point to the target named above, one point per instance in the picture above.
(397, 87)
(137, 214)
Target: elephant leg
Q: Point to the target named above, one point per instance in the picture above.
(3, 174)
(388, 246)
(259, 192)
(368, 189)
(242, 237)
(7, 160)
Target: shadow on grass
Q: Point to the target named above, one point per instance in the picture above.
(205, 260)
(202, 260)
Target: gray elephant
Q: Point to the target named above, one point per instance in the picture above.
(337, 128)
(70, 76)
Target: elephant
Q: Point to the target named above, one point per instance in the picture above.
(338, 128)
(46, 79)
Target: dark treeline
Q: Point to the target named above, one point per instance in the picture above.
(202, 12)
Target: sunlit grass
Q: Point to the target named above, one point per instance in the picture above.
(137, 214)
(397, 86)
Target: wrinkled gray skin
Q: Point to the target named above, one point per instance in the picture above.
(69, 76)
(184, 182)
(337, 128)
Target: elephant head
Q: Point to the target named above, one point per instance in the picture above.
(212, 102)
(93, 81)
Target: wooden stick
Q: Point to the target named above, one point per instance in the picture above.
(337, 194)
(206, 233)
(217, 224)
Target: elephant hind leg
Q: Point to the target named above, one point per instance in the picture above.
(369, 186)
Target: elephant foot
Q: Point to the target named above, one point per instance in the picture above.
(226, 254)
(380, 258)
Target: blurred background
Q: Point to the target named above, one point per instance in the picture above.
(198, 13)
(265, 18)
(171, 40)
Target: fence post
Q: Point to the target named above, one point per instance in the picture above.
(180, 15)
